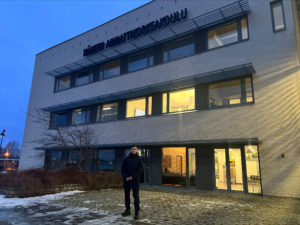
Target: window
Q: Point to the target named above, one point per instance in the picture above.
(83, 78)
(74, 159)
(138, 107)
(179, 48)
(107, 112)
(56, 156)
(60, 119)
(278, 20)
(63, 83)
(228, 34)
(178, 101)
(140, 61)
(230, 92)
(112, 69)
(79, 116)
(106, 159)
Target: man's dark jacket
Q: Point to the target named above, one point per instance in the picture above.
(132, 166)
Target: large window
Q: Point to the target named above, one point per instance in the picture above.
(106, 159)
(178, 101)
(228, 34)
(140, 61)
(79, 116)
(278, 20)
(230, 92)
(179, 48)
(83, 78)
(107, 112)
(63, 83)
(112, 68)
(138, 107)
(74, 159)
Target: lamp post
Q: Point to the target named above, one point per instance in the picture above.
(2, 135)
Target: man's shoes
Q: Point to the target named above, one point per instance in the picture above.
(136, 216)
(126, 213)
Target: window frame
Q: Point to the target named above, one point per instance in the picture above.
(86, 111)
(272, 3)
(100, 107)
(149, 53)
(168, 101)
(243, 93)
(167, 48)
(146, 106)
(103, 69)
(57, 83)
(90, 75)
(238, 21)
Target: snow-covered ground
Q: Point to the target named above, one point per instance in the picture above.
(42, 210)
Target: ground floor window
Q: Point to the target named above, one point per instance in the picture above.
(106, 159)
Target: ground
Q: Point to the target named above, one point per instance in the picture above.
(161, 205)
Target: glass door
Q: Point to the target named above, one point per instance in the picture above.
(236, 171)
(220, 168)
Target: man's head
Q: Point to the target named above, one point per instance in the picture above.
(134, 149)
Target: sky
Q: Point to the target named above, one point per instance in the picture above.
(28, 27)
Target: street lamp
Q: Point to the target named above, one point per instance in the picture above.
(2, 135)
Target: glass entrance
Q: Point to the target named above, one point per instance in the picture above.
(236, 171)
(220, 169)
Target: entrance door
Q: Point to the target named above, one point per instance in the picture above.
(228, 169)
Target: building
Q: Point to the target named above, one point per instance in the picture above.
(209, 90)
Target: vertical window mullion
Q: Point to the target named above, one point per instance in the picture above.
(239, 30)
(146, 105)
(168, 102)
(243, 91)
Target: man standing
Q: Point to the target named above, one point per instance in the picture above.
(131, 169)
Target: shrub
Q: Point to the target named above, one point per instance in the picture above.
(37, 182)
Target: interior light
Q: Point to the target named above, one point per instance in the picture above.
(108, 108)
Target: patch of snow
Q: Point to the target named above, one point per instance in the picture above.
(88, 201)
(25, 202)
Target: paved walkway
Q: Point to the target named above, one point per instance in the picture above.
(159, 206)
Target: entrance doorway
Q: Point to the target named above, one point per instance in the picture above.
(237, 169)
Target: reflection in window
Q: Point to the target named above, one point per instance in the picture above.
(137, 107)
(79, 117)
(107, 112)
(56, 162)
(179, 101)
(225, 93)
(179, 48)
(174, 166)
(222, 36)
(106, 159)
(252, 165)
(112, 69)
(236, 172)
(140, 61)
(56, 156)
(244, 29)
(249, 94)
(277, 16)
(73, 159)
(60, 119)
(83, 78)
(63, 83)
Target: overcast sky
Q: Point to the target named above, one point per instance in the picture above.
(29, 27)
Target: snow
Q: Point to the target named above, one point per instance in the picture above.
(25, 202)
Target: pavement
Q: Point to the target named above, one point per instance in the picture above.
(159, 205)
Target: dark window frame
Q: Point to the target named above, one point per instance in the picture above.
(168, 101)
(167, 47)
(243, 97)
(90, 75)
(57, 83)
(100, 107)
(146, 107)
(273, 17)
(238, 21)
(149, 53)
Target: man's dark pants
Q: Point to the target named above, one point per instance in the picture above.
(135, 192)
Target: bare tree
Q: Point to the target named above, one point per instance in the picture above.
(79, 139)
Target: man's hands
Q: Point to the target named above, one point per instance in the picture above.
(128, 178)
